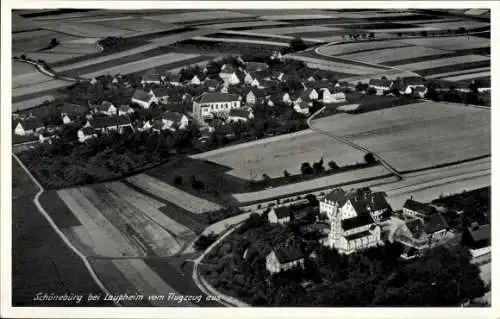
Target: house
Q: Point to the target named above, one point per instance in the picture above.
(174, 120)
(227, 71)
(160, 94)
(98, 79)
(280, 215)
(277, 56)
(421, 235)
(381, 85)
(417, 209)
(409, 84)
(477, 236)
(236, 115)
(173, 79)
(28, 126)
(144, 126)
(255, 97)
(310, 93)
(86, 133)
(419, 92)
(71, 112)
(208, 104)
(125, 110)
(250, 77)
(106, 108)
(322, 84)
(196, 80)
(354, 218)
(233, 78)
(285, 98)
(46, 137)
(151, 78)
(256, 66)
(301, 107)
(333, 95)
(283, 258)
(111, 123)
(211, 84)
(142, 98)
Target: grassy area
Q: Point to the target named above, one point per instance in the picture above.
(41, 262)
(60, 213)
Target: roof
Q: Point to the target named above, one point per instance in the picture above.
(420, 89)
(480, 233)
(160, 92)
(365, 201)
(174, 77)
(435, 223)
(303, 105)
(211, 83)
(73, 108)
(286, 254)
(30, 123)
(282, 212)
(88, 130)
(262, 74)
(323, 84)
(380, 82)
(239, 113)
(419, 207)
(228, 69)
(142, 96)
(358, 235)
(217, 97)
(337, 195)
(172, 116)
(151, 78)
(256, 66)
(358, 221)
(103, 122)
(125, 108)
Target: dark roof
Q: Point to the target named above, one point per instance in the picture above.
(151, 78)
(172, 116)
(365, 201)
(435, 223)
(337, 195)
(239, 113)
(256, 66)
(479, 233)
(160, 92)
(358, 221)
(262, 74)
(88, 130)
(70, 108)
(286, 254)
(141, 95)
(419, 207)
(282, 212)
(358, 235)
(174, 77)
(322, 84)
(30, 124)
(217, 98)
(211, 83)
(125, 108)
(380, 82)
(228, 69)
(103, 122)
(258, 93)
(303, 104)
(416, 227)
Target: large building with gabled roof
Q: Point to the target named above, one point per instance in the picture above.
(210, 104)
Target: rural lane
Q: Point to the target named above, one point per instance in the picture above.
(59, 232)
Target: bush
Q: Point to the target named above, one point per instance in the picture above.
(332, 165)
(369, 158)
(286, 174)
(178, 180)
(204, 241)
(306, 169)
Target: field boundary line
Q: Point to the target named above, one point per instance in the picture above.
(59, 232)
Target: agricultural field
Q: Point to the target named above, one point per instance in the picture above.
(273, 156)
(441, 62)
(417, 136)
(450, 43)
(346, 48)
(383, 55)
(293, 30)
(469, 76)
(197, 16)
(336, 65)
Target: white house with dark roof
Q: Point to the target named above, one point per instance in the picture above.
(381, 85)
(160, 94)
(86, 133)
(333, 95)
(174, 120)
(106, 108)
(28, 126)
(173, 79)
(354, 218)
(125, 110)
(417, 209)
(110, 123)
(284, 257)
(208, 104)
(151, 78)
(302, 107)
(279, 215)
(255, 96)
(196, 80)
(143, 98)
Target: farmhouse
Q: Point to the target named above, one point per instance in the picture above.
(280, 215)
(236, 115)
(301, 107)
(106, 108)
(285, 98)
(86, 133)
(354, 217)
(195, 80)
(409, 84)
(211, 84)
(283, 258)
(310, 93)
(160, 94)
(422, 235)
(151, 79)
(142, 98)
(175, 120)
(417, 209)
(255, 97)
(46, 137)
(143, 125)
(380, 85)
(333, 95)
(28, 126)
(111, 123)
(205, 105)
(173, 79)
(477, 236)
(125, 110)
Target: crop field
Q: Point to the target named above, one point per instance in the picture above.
(29, 103)
(468, 24)
(469, 76)
(36, 40)
(249, 24)
(274, 156)
(77, 46)
(197, 16)
(296, 29)
(38, 87)
(436, 63)
(243, 40)
(450, 43)
(136, 24)
(172, 194)
(459, 72)
(419, 135)
(48, 56)
(347, 48)
(84, 30)
(384, 55)
(297, 16)
(336, 65)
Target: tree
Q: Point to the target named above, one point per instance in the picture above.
(286, 174)
(318, 166)
(400, 34)
(204, 241)
(424, 33)
(23, 56)
(369, 158)
(372, 35)
(306, 169)
(53, 42)
(371, 91)
(178, 180)
(332, 165)
(313, 201)
(297, 44)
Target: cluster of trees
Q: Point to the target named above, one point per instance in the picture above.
(436, 93)
(111, 42)
(376, 277)
(204, 241)
(357, 36)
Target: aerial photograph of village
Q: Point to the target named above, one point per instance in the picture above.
(251, 157)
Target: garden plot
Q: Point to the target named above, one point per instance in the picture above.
(469, 76)
(275, 156)
(29, 79)
(342, 67)
(459, 72)
(450, 43)
(346, 48)
(144, 64)
(196, 16)
(436, 63)
(386, 55)
(419, 135)
(172, 194)
(468, 24)
(296, 29)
